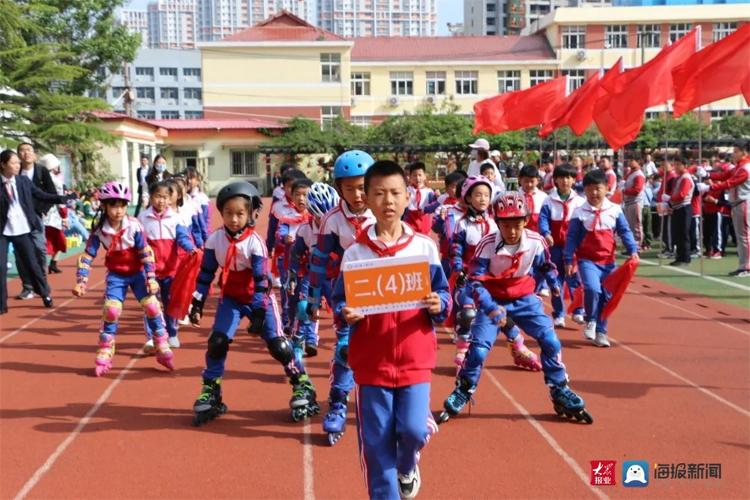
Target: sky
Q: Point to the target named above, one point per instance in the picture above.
(449, 11)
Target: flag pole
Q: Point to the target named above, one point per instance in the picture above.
(701, 250)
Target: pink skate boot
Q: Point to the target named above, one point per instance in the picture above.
(522, 356)
(104, 354)
(164, 355)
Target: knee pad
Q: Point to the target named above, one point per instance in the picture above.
(281, 349)
(257, 320)
(465, 317)
(218, 345)
(112, 310)
(151, 306)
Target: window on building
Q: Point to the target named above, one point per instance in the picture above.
(191, 74)
(467, 82)
(170, 115)
(490, 21)
(144, 74)
(362, 121)
(435, 83)
(328, 114)
(192, 94)
(169, 95)
(402, 83)
(193, 115)
(244, 163)
(99, 93)
(616, 36)
(360, 83)
(117, 92)
(574, 37)
(720, 30)
(649, 36)
(537, 76)
(720, 113)
(168, 73)
(652, 115)
(508, 81)
(145, 94)
(146, 115)
(490, 7)
(677, 31)
(576, 77)
(330, 67)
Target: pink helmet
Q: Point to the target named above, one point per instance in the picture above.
(472, 181)
(114, 191)
(511, 205)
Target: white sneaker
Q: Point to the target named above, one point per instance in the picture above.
(601, 340)
(148, 347)
(276, 282)
(578, 319)
(544, 292)
(408, 484)
(559, 322)
(590, 331)
(184, 321)
(173, 342)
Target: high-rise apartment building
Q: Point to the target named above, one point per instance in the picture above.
(137, 22)
(172, 24)
(359, 18)
(509, 17)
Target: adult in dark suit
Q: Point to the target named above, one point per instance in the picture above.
(142, 172)
(18, 219)
(42, 179)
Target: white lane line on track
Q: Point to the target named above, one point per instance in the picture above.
(32, 321)
(699, 275)
(697, 315)
(47, 465)
(551, 441)
(307, 463)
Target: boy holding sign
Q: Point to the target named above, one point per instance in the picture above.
(392, 354)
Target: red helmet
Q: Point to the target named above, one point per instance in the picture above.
(511, 205)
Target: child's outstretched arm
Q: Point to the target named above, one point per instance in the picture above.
(209, 265)
(328, 242)
(261, 295)
(439, 285)
(183, 238)
(458, 244)
(432, 203)
(545, 215)
(544, 266)
(576, 233)
(84, 264)
(626, 235)
(146, 255)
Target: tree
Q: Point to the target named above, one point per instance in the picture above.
(735, 126)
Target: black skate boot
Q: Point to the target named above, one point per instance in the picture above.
(208, 406)
(568, 404)
(457, 400)
(303, 403)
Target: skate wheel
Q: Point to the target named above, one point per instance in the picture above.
(559, 411)
(222, 409)
(443, 417)
(586, 417)
(298, 415)
(333, 437)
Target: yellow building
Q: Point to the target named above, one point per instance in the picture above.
(587, 39)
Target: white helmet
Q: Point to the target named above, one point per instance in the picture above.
(321, 198)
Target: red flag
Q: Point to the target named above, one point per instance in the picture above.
(183, 285)
(615, 133)
(520, 109)
(576, 110)
(576, 301)
(720, 70)
(616, 284)
(651, 83)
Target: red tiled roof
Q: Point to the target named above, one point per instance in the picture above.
(283, 27)
(113, 115)
(454, 48)
(206, 124)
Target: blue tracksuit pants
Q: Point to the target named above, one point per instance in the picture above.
(594, 295)
(558, 306)
(393, 424)
(114, 296)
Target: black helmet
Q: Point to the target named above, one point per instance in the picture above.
(238, 188)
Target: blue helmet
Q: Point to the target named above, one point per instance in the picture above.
(321, 198)
(353, 163)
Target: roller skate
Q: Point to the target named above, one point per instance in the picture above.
(164, 355)
(522, 356)
(303, 403)
(457, 400)
(148, 347)
(104, 354)
(568, 404)
(334, 421)
(208, 406)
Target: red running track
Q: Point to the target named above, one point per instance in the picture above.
(674, 388)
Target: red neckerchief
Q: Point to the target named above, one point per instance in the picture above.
(597, 217)
(481, 220)
(450, 201)
(418, 196)
(355, 221)
(515, 263)
(231, 255)
(116, 238)
(383, 251)
(301, 217)
(529, 202)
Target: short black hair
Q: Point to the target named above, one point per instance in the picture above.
(292, 174)
(743, 144)
(596, 176)
(529, 171)
(486, 166)
(155, 186)
(18, 148)
(384, 168)
(416, 165)
(455, 177)
(564, 170)
(301, 183)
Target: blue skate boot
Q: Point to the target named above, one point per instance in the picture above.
(457, 399)
(568, 404)
(334, 421)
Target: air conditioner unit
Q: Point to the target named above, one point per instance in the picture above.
(581, 55)
(393, 101)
